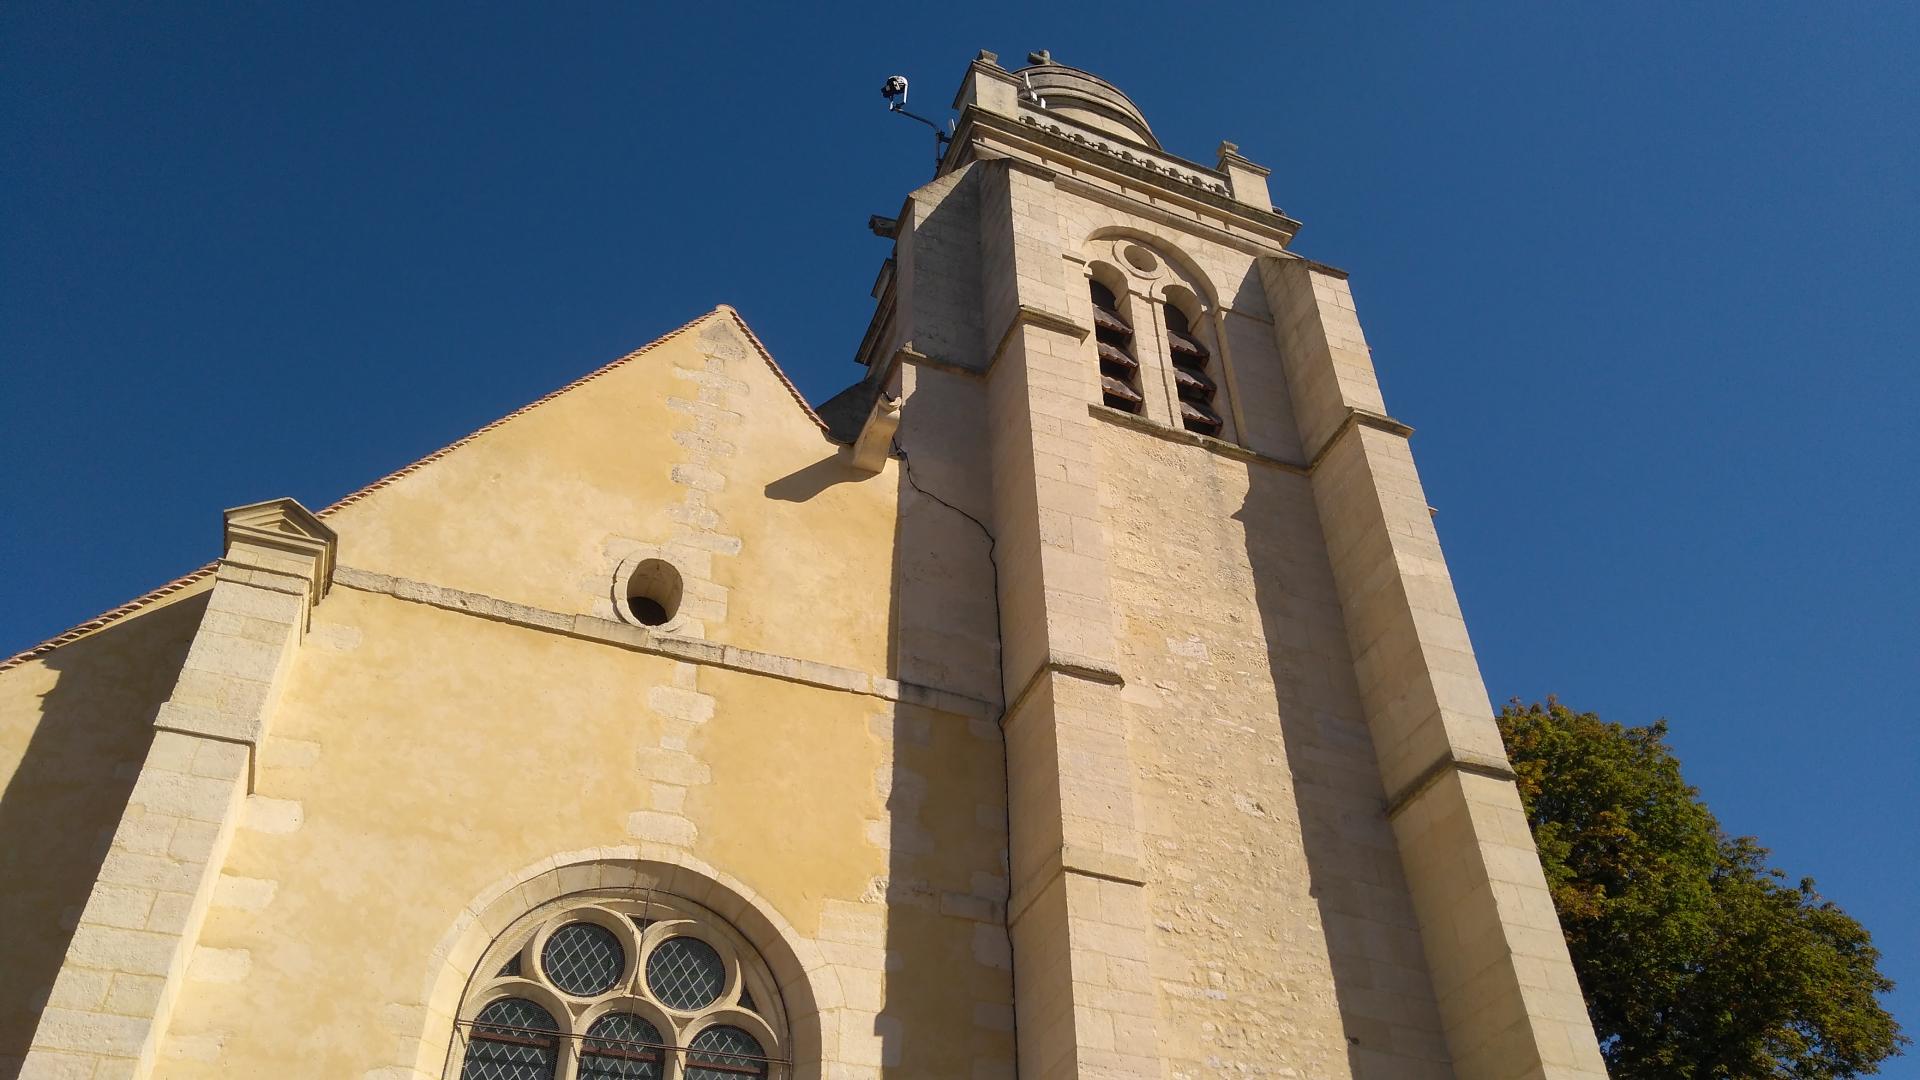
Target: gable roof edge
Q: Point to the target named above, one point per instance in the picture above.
(774, 366)
(113, 615)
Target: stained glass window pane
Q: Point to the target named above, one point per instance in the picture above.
(724, 1053)
(621, 1046)
(583, 959)
(511, 1039)
(685, 973)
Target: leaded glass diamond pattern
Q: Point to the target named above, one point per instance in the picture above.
(583, 959)
(511, 1039)
(594, 1017)
(724, 1053)
(621, 1046)
(685, 973)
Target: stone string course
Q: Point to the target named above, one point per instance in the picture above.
(690, 650)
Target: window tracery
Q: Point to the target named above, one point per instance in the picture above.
(606, 987)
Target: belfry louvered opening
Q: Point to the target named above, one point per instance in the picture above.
(1195, 387)
(1113, 339)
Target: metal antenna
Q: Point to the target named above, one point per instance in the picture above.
(895, 91)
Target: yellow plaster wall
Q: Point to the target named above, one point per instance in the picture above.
(74, 727)
(816, 536)
(791, 765)
(522, 512)
(682, 445)
(418, 755)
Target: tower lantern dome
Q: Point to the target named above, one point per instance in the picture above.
(1085, 98)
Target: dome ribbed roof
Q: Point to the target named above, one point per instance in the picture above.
(1088, 99)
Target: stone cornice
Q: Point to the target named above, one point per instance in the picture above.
(1230, 155)
(1181, 435)
(908, 355)
(1475, 764)
(1042, 318)
(1144, 160)
(1079, 861)
(1170, 176)
(1092, 192)
(1050, 320)
(1084, 668)
(1357, 417)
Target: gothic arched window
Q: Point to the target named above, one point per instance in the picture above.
(619, 987)
(1113, 338)
(1196, 388)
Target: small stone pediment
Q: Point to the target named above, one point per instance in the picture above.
(284, 525)
(284, 516)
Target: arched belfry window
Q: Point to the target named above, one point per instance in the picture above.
(621, 987)
(1193, 384)
(1113, 338)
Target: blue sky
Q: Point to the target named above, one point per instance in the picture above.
(1643, 277)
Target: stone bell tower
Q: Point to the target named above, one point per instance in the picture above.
(1260, 816)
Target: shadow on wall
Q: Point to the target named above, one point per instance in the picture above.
(945, 1004)
(947, 1009)
(1387, 1009)
(798, 487)
(60, 807)
(948, 1006)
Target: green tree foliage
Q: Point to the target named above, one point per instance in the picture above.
(1698, 959)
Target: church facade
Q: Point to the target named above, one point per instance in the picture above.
(1081, 693)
